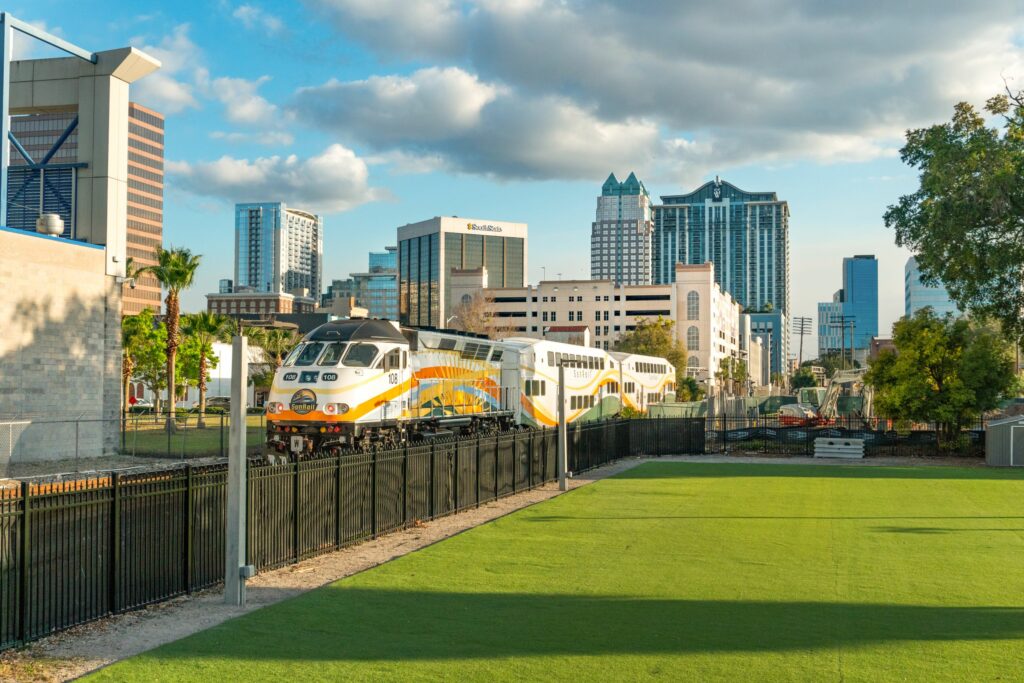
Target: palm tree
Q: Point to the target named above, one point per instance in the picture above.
(205, 328)
(175, 270)
(276, 342)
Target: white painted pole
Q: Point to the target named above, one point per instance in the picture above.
(234, 582)
(563, 443)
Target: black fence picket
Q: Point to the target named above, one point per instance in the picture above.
(75, 551)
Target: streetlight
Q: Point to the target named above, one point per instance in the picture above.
(450, 318)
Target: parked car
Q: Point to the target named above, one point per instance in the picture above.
(798, 415)
(142, 403)
(218, 402)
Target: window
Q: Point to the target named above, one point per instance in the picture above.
(393, 360)
(554, 316)
(332, 354)
(597, 315)
(572, 316)
(551, 358)
(606, 316)
(360, 355)
(692, 338)
(544, 316)
(310, 352)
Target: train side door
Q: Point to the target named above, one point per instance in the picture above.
(510, 383)
(396, 372)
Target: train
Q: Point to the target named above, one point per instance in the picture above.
(369, 381)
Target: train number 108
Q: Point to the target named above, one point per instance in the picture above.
(392, 378)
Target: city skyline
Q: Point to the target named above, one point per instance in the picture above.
(325, 123)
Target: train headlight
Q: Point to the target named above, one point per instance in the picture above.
(335, 408)
(275, 408)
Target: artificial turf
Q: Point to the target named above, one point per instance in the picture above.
(671, 570)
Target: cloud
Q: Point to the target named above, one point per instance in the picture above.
(270, 138)
(241, 99)
(29, 47)
(253, 17)
(171, 89)
(423, 27)
(765, 82)
(430, 104)
(448, 118)
(335, 180)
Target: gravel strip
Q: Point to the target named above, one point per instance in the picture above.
(76, 652)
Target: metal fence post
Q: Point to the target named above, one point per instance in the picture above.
(430, 480)
(405, 485)
(23, 582)
(222, 435)
(115, 539)
(296, 507)
(497, 451)
(373, 495)
(478, 470)
(189, 523)
(337, 504)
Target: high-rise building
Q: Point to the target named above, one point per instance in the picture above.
(429, 251)
(338, 290)
(620, 236)
(918, 295)
(746, 236)
(860, 298)
(49, 184)
(377, 289)
(226, 286)
(831, 333)
(278, 249)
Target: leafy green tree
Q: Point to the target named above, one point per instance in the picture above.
(150, 356)
(965, 222)
(276, 343)
(137, 332)
(689, 389)
(945, 370)
(204, 328)
(732, 373)
(803, 377)
(656, 338)
(175, 270)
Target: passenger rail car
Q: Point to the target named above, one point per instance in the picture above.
(353, 381)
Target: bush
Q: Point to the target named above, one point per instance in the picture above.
(216, 410)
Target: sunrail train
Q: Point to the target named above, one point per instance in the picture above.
(355, 381)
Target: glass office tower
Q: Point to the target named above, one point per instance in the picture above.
(278, 249)
(860, 297)
(377, 288)
(918, 295)
(745, 234)
(429, 251)
(620, 236)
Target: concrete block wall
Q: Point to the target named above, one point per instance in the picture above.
(60, 349)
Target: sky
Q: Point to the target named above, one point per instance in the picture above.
(380, 113)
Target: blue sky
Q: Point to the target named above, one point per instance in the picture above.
(381, 113)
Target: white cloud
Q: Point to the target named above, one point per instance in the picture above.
(399, 26)
(766, 82)
(253, 17)
(335, 180)
(429, 104)
(242, 101)
(270, 138)
(171, 89)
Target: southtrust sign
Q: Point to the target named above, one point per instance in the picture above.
(483, 227)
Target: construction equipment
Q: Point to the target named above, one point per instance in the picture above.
(847, 383)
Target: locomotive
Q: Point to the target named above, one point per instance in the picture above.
(371, 381)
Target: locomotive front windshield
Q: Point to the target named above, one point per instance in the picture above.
(309, 353)
(332, 354)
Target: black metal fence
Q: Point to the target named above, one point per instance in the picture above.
(75, 551)
(881, 437)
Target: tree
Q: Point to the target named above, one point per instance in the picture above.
(965, 222)
(732, 373)
(137, 332)
(945, 370)
(204, 328)
(150, 356)
(656, 338)
(689, 389)
(175, 270)
(474, 314)
(276, 343)
(803, 377)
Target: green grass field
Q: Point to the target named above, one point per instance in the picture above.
(146, 435)
(674, 571)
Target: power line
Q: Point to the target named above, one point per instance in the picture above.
(802, 326)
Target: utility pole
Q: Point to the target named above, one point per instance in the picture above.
(802, 326)
(842, 321)
(236, 571)
(563, 441)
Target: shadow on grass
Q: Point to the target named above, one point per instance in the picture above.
(945, 530)
(679, 470)
(362, 624)
(838, 518)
